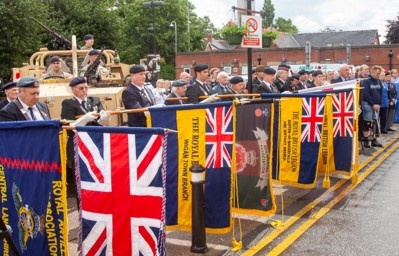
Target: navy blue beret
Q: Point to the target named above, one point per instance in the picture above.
(9, 85)
(179, 83)
(137, 69)
(269, 71)
(94, 52)
(295, 76)
(236, 79)
(28, 82)
(55, 59)
(87, 37)
(77, 80)
(200, 67)
(302, 72)
(317, 72)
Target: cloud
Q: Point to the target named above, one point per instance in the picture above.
(313, 16)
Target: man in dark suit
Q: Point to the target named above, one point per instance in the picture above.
(27, 105)
(79, 104)
(267, 85)
(11, 91)
(222, 86)
(343, 74)
(179, 88)
(137, 96)
(199, 87)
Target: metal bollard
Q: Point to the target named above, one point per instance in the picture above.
(198, 240)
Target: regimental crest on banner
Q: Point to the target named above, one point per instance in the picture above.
(30, 224)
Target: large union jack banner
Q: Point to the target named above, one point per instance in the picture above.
(219, 137)
(343, 130)
(122, 190)
(312, 118)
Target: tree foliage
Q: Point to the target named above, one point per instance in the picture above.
(286, 26)
(268, 17)
(115, 24)
(392, 36)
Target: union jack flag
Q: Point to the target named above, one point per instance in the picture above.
(312, 118)
(343, 114)
(122, 191)
(219, 137)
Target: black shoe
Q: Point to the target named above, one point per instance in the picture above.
(366, 143)
(384, 132)
(375, 143)
(391, 130)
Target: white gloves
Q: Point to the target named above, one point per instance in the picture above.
(105, 118)
(88, 117)
(212, 98)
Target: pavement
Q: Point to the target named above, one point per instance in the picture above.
(364, 221)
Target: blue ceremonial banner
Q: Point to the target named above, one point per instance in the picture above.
(33, 199)
(204, 136)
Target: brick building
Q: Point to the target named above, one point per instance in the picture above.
(327, 48)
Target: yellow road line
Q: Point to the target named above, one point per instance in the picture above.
(275, 233)
(305, 226)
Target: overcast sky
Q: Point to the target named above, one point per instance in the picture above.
(315, 15)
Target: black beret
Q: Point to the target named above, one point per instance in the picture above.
(200, 67)
(302, 72)
(87, 37)
(55, 59)
(311, 71)
(236, 80)
(295, 76)
(28, 82)
(137, 69)
(260, 68)
(9, 85)
(94, 52)
(179, 83)
(77, 80)
(317, 72)
(269, 71)
(387, 73)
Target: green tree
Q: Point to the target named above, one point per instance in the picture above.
(286, 26)
(392, 36)
(19, 38)
(268, 17)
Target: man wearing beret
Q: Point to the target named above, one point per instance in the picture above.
(93, 54)
(303, 77)
(292, 82)
(27, 105)
(179, 88)
(137, 96)
(259, 77)
(11, 91)
(55, 69)
(199, 87)
(237, 87)
(79, 104)
(89, 41)
(267, 85)
(281, 78)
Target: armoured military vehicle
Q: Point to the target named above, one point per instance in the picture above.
(54, 89)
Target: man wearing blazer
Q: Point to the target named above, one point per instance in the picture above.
(267, 85)
(199, 87)
(343, 74)
(11, 91)
(26, 107)
(137, 96)
(179, 88)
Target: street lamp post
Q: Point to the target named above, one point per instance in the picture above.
(173, 24)
(152, 4)
(390, 55)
